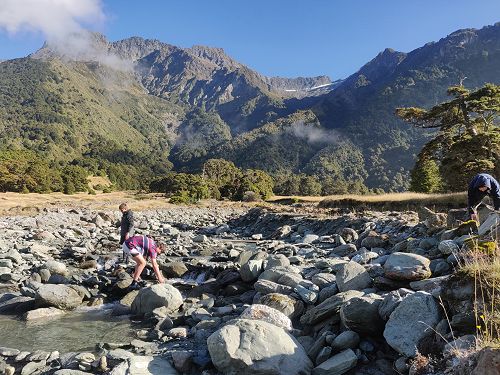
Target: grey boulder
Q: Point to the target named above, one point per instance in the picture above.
(157, 295)
(353, 276)
(407, 267)
(413, 320)
(247, 347)
(338, 364)
(61, 296)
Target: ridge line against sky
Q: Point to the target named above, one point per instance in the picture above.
(287, 38)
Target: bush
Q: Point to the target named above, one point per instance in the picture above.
(69, 188)
(22, 171)
(182, 197)
(180, 185)
(251, 196)
(257, 181)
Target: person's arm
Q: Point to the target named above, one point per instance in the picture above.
(470, 200)
(157, 271)
(495, 195)
(131, 228)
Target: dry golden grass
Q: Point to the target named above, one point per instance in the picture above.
(389, 197)
(16, 203)
(483, 267)
(383, 202)
(98, 180)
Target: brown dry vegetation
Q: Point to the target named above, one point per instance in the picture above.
(27, 204)
(16, 203)
(391, 201)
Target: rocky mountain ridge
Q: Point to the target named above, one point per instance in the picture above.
(262, 116)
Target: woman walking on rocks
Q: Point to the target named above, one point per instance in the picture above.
(141, 248)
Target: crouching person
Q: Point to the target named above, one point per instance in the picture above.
(141, 248)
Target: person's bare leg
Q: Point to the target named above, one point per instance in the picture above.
(139, 267)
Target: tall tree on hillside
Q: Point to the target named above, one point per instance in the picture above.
(468, 141)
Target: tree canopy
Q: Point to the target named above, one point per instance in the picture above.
(467, 143)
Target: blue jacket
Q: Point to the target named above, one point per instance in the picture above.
(475, 196)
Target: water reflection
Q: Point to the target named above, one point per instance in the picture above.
(76, 331)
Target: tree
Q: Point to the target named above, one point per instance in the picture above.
(222, 177)
(425, 177)
(309, 185)
(257, 181)
(468, 141)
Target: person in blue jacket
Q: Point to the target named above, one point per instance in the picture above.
(480, 186)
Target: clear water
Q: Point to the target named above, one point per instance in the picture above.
(76, 331)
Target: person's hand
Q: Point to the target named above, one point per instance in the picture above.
(161, 280)
(474, 217)
(126, 236)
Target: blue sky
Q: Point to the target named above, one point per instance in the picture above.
(284, 37)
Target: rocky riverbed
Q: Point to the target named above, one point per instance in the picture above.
(249, 291)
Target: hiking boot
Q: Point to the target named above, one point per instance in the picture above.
(134, 286)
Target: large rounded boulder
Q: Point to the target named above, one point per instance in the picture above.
(158, 295)
(360, 314)
(247, 347)
(407, 267)
(414, 319)
(61, 296)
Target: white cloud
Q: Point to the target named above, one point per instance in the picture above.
(55, 19)
(64, 24)
(313, 134)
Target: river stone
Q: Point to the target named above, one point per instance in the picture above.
(251, 270)
(12, 255)
(344, 250)
(323, 279)
(346, 340)
(291, 280)
(71, 372)
(276, 260)
(404, 266)
(56, 268)
(33, 367)
(309, 238)
(391, 301)
(267, 314)
(174, 269)
(16, 304)
(56, 295)
(360, 314)
(146, 365)
(200, 238)
(274, 274)
(157, 295)
(328, 292)
(373, 241)
(353, 276)
(308, 296)
(349, 234)
(43, 313)
(289, 306)
(266, 287)
(328, 308)
(248, 347)
(448, 247)
(414, 319)
(6, 263)
(338, 364)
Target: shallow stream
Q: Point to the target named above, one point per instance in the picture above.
(79, 330)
